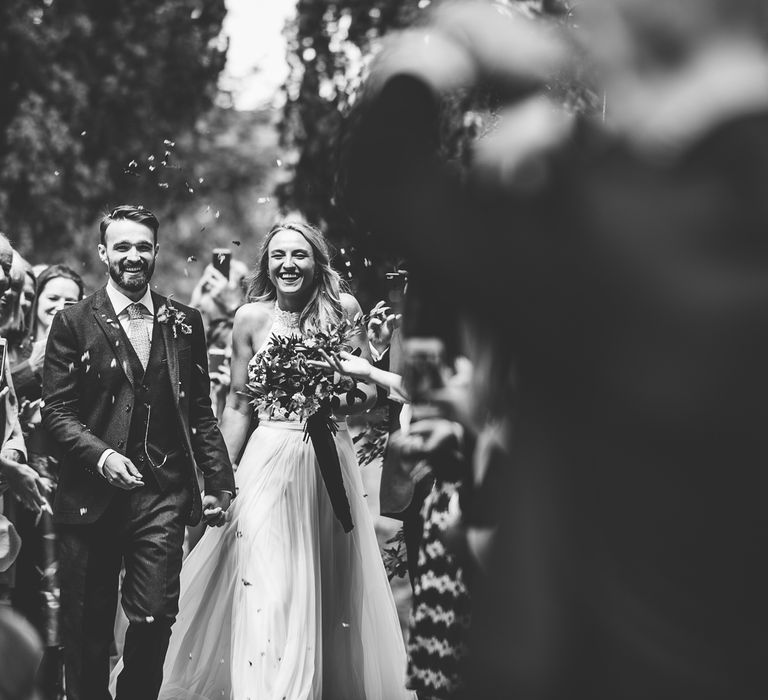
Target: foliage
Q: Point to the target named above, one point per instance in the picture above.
(89, 86)
(395, 558)
(283, 382)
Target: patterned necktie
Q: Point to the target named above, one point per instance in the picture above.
(137, 333)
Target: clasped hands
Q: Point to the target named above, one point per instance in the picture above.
(121, 472)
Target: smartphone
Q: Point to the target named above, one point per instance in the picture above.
(217, 358)
(221, 259)
(424, 368)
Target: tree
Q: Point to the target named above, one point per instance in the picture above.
(95, 95)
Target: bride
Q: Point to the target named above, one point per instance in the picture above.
(281, 603)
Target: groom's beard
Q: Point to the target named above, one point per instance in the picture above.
(132, 282)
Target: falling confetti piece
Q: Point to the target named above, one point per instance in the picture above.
(133, 164)
(191, 258)
(345, 625)
(151, 168)
(149, 618)
(83, 133)
(217, 214)
(279, 163)
(262, 200)
(163, 185)
(169, 143)
(235, 242)
(56, 173)
(201, 180)
(247, 583)
(196, 13)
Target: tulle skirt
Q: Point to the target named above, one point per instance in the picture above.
(281, 603)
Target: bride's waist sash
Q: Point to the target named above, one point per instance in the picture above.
(267, 421)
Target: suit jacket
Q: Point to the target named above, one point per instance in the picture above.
(88, 403)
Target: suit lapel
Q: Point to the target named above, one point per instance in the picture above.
(171, 347)
(106, 318)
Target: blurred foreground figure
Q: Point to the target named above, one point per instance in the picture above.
(625, 268)
(20, 655)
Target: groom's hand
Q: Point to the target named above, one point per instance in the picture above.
(215, 505)
(121, 472)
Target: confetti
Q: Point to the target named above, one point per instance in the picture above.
(201, 180)
(151, 157)
(217, 214)
(163, 185)
(83, 133)
(56, 173)
(235, 242)
(169, 143)
(262, 200)
(279, 163)
(191, 258)
(151, 168)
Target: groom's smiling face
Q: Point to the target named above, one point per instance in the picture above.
(129, 252)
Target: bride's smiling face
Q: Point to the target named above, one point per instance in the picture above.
(291, 263)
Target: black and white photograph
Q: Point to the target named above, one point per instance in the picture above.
(383, 349)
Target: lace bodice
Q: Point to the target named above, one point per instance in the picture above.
(285, 323)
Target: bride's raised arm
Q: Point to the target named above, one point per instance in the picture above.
(250, 324)
(360, 340)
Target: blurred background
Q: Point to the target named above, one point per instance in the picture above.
(218, 115)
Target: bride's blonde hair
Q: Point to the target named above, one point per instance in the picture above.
(323, 309)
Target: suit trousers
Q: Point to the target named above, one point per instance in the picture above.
(143, 530)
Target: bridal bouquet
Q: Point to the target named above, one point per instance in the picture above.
(283, 382)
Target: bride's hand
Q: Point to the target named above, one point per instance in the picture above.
(358, 368)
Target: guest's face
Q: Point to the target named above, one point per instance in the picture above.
(291, 263)
(6, 258)
(129, 252)
(58, 293)
(27, 296)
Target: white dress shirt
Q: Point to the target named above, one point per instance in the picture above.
(120, 303)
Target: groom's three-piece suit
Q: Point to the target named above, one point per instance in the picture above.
(98, 396)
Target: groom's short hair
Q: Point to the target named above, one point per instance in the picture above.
(131, 212)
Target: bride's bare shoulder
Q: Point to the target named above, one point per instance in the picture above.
(350, 305)
(254, 316)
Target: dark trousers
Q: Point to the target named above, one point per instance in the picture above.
(144, 530)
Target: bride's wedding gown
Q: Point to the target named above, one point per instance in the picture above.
(281, 603)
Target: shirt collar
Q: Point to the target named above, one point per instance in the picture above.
(120, 302)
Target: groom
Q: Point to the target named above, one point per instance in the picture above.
(126, 399)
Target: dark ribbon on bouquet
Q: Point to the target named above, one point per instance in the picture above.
(321, 429)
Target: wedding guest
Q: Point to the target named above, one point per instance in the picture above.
(217, 297)
(36, 593)
(626, 266)
(20, 654)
